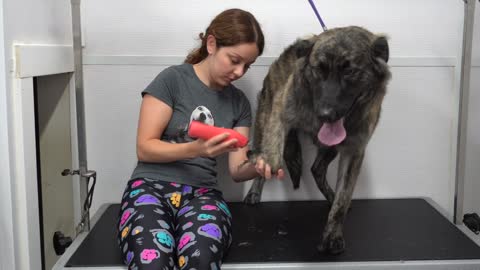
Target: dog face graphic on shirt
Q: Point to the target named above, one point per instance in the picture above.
(201, 114)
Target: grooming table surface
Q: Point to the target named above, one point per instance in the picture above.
(376, 230)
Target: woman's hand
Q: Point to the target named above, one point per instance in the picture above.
(265, 170)
(240, 167)
(215, 146)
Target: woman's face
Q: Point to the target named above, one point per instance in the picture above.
(230, 63)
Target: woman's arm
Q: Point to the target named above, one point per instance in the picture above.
(248, 171)
(154, 117)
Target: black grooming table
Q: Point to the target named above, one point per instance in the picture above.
(375, 230)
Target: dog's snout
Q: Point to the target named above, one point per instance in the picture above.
(326, 111)
(327, 114)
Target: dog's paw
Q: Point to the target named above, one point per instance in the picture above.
(333, 245)
(274, 161)
(252, 198)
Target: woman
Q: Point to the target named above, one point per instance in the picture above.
(171, 214)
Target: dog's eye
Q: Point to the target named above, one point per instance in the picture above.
(347, 68)
(323, 67)
(316, 73)
(348, 71)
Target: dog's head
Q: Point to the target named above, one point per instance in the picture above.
(341, 68)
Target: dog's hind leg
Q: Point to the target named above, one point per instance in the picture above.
(293, 157)
(348, 170)
(319, 171)
(255, 193)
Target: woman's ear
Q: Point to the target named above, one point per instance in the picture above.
(211, 44)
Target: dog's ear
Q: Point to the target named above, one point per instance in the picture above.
(301, 86)
(303, 47)
(380, 48)
(379, 58)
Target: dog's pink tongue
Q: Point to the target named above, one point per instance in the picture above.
(332, 133)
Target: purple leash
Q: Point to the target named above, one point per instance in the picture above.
(318, 15)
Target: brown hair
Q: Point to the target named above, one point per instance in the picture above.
(230, 28)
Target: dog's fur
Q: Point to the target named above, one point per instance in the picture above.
(339, 73)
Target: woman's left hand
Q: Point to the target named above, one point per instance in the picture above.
(265, 170)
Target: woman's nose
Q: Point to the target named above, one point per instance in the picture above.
(239, 71)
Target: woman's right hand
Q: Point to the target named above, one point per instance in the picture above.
(215, 146)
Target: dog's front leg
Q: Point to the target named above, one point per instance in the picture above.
(319, 171)
(272, 152)
(273, 143)
(273, 138)
(348, 170)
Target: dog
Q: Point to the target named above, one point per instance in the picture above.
(330, 87)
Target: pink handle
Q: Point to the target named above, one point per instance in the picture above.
(200, 130)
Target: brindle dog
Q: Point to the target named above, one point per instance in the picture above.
(331, 87)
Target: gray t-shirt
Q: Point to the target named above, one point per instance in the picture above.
(180, 88)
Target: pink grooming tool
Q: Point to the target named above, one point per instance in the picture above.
(200, 130)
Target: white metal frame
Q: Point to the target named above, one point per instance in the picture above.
(31, 60)
(466, 66)
(7, 225)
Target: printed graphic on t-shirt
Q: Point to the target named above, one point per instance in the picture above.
(201, 114)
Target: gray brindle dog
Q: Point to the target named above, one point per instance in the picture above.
(331, 87)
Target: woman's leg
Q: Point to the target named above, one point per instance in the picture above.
(204, 231)
(145, 227)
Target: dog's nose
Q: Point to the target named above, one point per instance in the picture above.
(327, 114)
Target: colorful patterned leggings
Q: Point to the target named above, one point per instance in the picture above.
(165, 225)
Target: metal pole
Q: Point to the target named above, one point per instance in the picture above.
(463, 109)
(80, 106)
